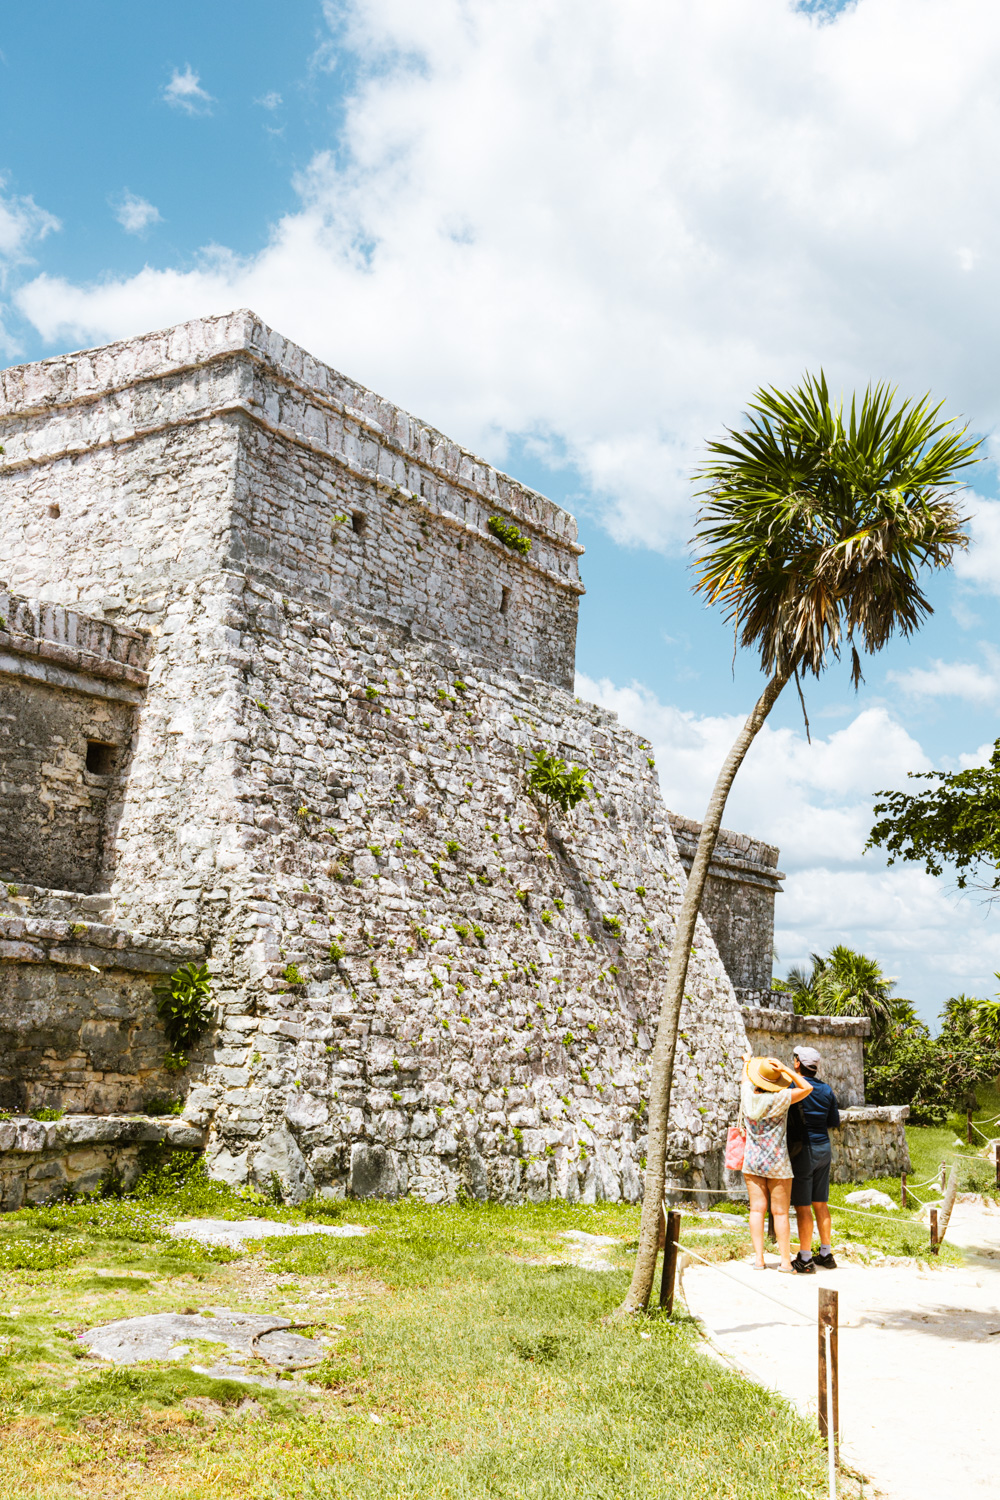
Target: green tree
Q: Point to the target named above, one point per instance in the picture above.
(815, 527)
(955, 821)
(845, 983)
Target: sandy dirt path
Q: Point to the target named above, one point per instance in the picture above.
(919, 1370)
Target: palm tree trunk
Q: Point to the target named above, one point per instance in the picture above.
(662, 1068)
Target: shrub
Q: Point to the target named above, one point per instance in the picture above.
(560, 785)
(508, 533)
(182, 1005)
(613, 925)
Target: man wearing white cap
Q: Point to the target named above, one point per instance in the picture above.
(811, 1164)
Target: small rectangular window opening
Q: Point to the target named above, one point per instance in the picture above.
(504, 600)
(358, 521)
(100, 757)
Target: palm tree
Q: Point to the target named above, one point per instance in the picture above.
(814, 530)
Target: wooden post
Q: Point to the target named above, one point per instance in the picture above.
(903, 1203)
(934, 1233)
(996, 1158)
(828, 1375)
(673, 1234)
(948, 1204)
(968, 1126)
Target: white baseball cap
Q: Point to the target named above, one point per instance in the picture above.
(807, 1056)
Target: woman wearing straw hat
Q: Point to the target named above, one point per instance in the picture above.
(768, 1091)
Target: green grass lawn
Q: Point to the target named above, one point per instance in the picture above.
(462, 1362)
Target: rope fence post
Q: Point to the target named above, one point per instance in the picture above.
(673, 1234)
(949, 1203)
(968, 1126)
(996, 1158)
(828, 1404)
(902, 1191)
(934, 1232)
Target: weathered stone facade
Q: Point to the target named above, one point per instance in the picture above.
(337, 675)
(738, 905)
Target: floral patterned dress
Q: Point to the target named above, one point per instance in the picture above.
(766, 1118)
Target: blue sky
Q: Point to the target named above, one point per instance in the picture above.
(576, 239)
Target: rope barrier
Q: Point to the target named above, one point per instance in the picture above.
(746, 1285)
(868, 1214)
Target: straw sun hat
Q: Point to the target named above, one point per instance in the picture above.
(770, 1074)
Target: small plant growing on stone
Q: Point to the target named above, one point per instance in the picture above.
(373, 970)
(557, 784)
(523, 897)
(78, 929)
(640, 891)
(265, 708)
(453, 848)
(371, 693)
(182, 1006)
(509, 534)
(47, 1114)
(375, 849)
(11, 890)
(302, 812)
(461, 929)
(291, 974)
(547, 918)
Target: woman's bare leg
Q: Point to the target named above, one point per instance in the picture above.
(781, 1193)
(757, 1193)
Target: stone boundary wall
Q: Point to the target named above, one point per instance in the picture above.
(838, 1039)
(78, 1026)
(870, 1143)
(45, 1161)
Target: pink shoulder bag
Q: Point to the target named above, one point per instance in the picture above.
(736, 1142)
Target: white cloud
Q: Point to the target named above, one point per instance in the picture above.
(605, 226)
(21, 222)
(815, 802)
(270, 100)
(980, 565)
(184, 91)
(135, 214)
(949, 679)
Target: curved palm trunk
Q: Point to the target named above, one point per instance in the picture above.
(662, 1069)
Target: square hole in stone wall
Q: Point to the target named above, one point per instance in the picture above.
(100, 757)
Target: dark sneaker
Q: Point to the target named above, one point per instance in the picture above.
(825, 1262)
(804, 1267)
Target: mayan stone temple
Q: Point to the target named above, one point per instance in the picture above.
(271, 675)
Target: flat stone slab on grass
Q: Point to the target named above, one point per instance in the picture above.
(129, 1341)
(234, 1233)
(589, 1251)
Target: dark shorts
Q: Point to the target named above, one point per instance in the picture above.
(812, 1185)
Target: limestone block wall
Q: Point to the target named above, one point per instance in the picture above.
(78, 1028)
(738, 905)
(69, 689)
(218, 444)
(423, 984)
(43, 1161)
(838, 1039)
(440, 1003)
(871, 1142)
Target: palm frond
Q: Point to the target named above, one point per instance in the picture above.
(815, 528)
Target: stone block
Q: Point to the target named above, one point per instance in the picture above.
(373, 1173)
